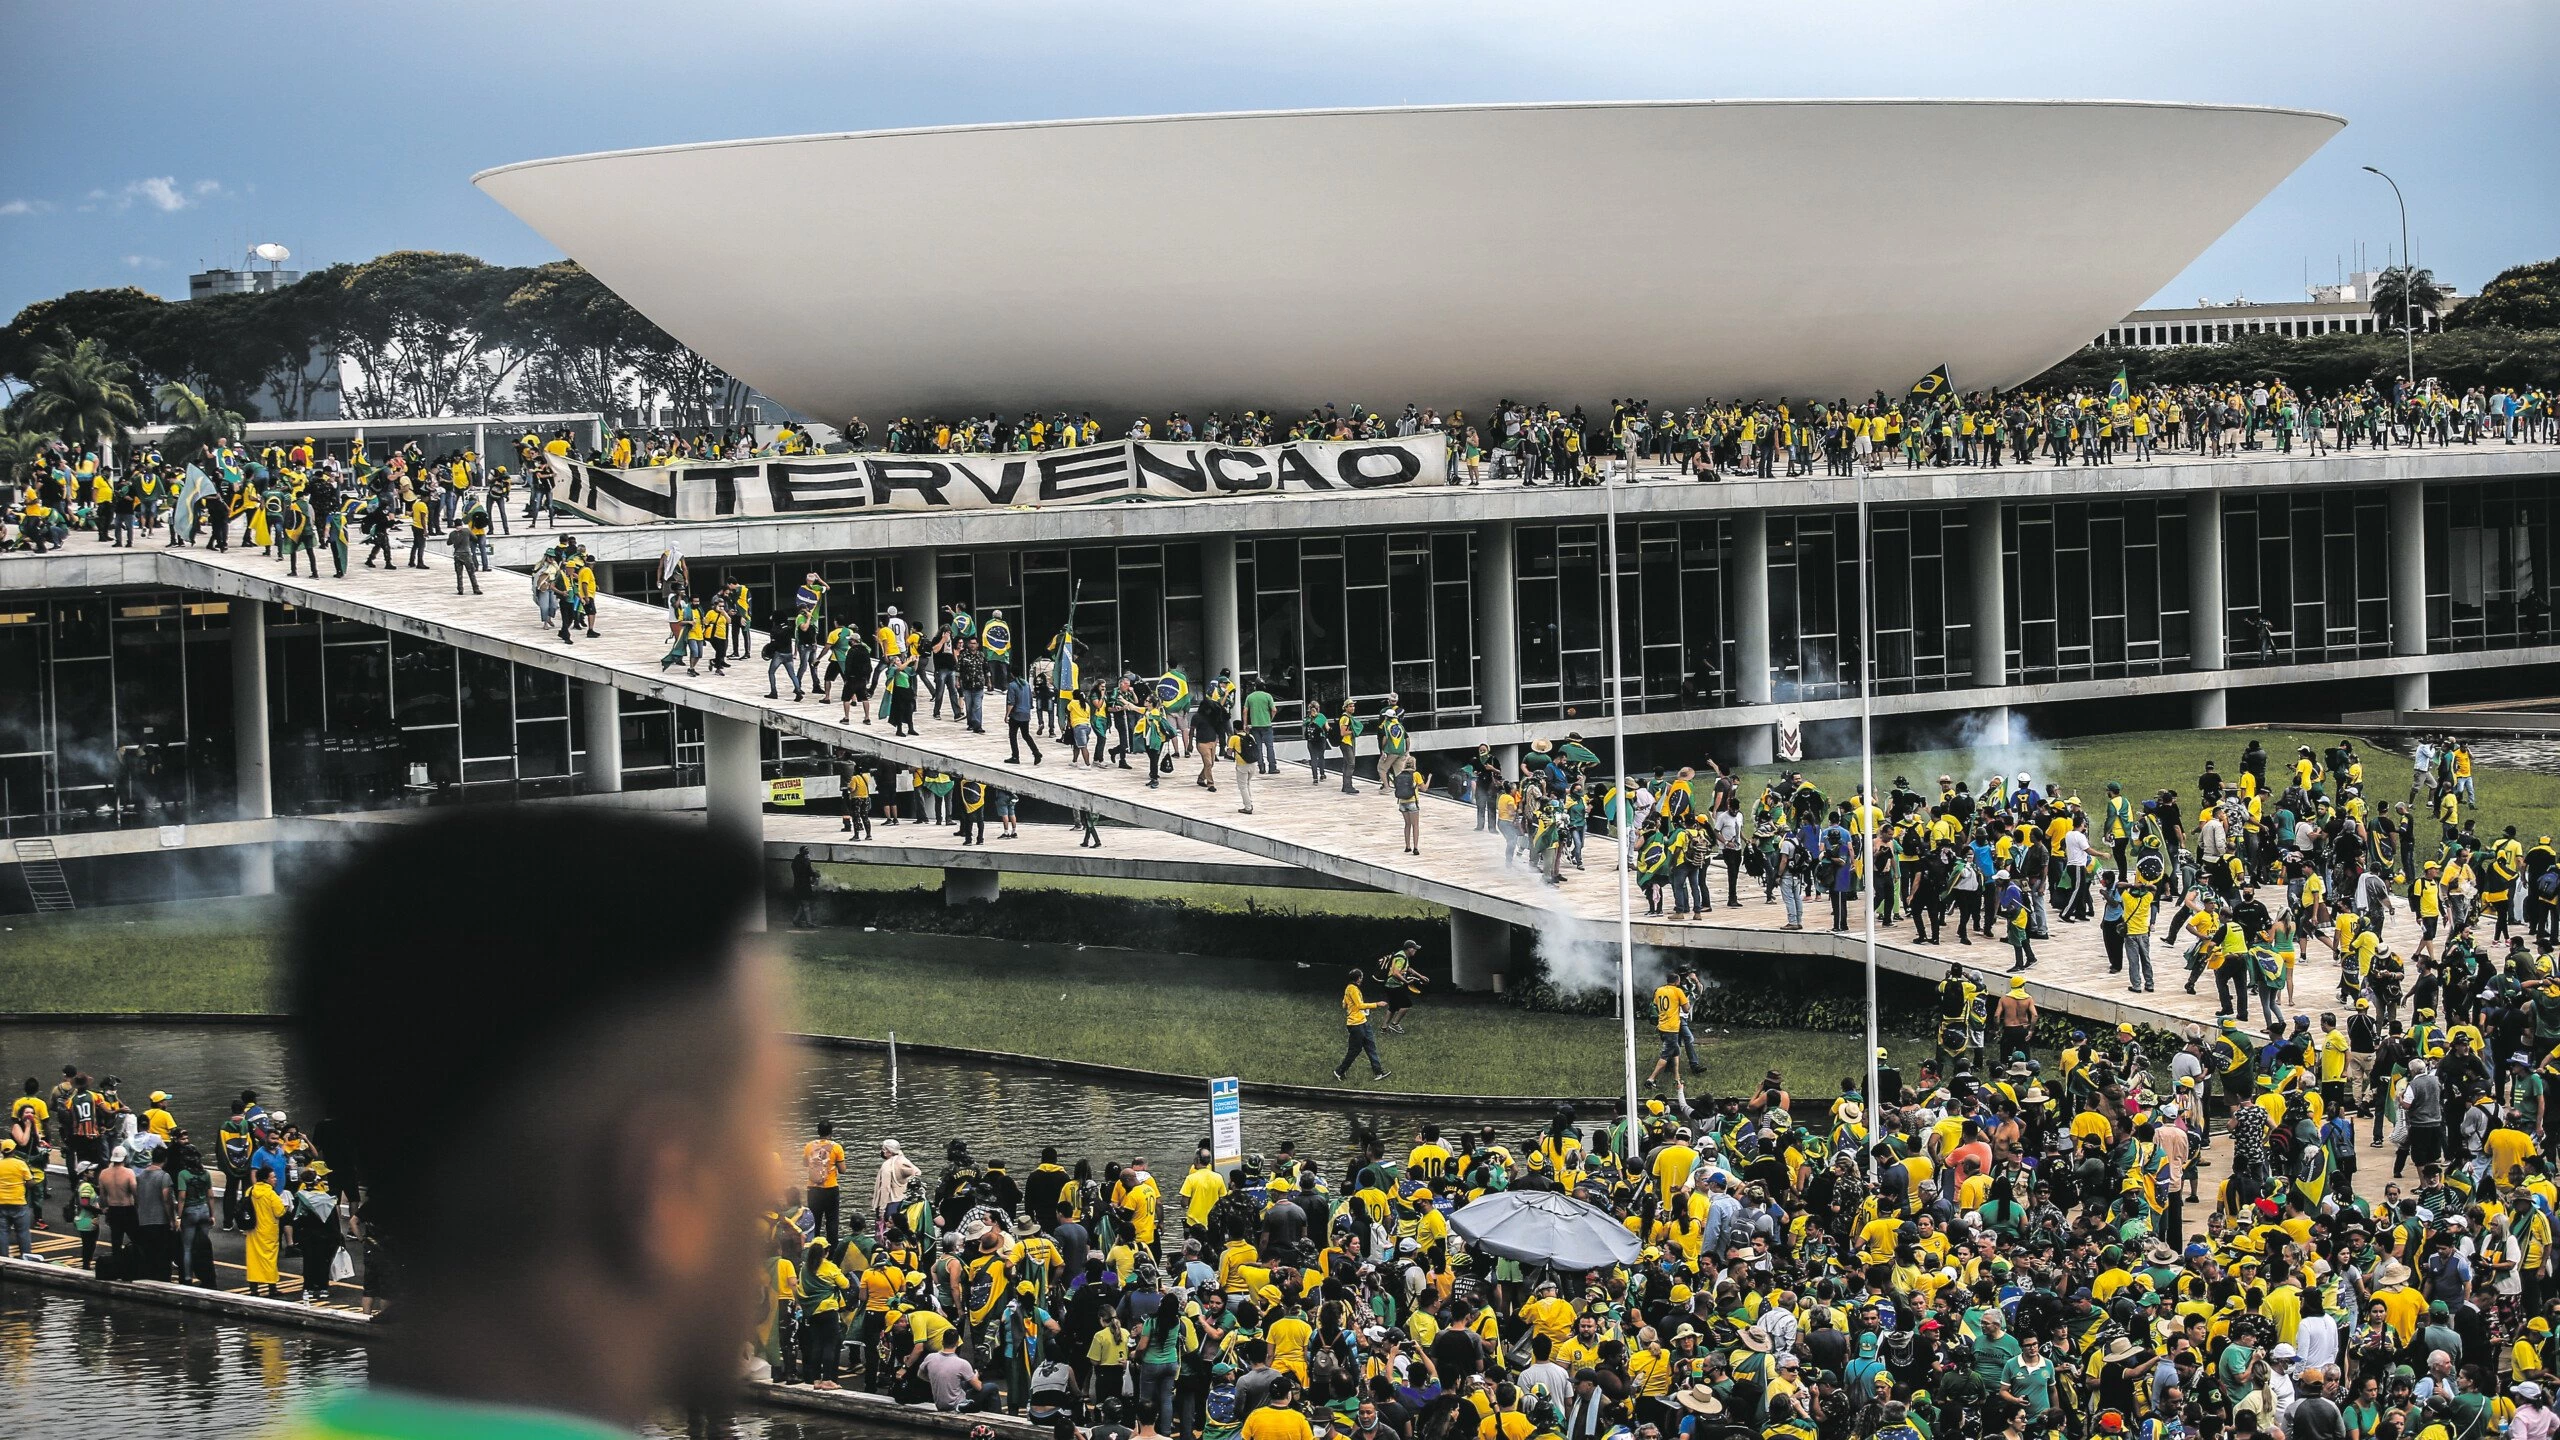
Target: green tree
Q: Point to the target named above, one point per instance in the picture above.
(233, 349)
(20, 452)
(2526, 297)
(2425, 296)
(426, 332)
(82, 393)
(196, 424)
(583, 339)
(119, 319)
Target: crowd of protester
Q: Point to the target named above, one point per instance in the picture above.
(298, 501)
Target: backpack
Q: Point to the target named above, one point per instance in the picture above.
(819, 1159)
(2547, 884)
(1222, 1402)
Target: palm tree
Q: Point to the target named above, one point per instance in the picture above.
(20, 451)
(195, 422)
(83, 394)
(2425, 296)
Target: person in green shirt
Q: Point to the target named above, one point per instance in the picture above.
(1258, 708)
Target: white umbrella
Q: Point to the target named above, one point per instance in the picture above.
(1545, 1227)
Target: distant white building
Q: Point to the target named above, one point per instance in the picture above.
(2345, 308)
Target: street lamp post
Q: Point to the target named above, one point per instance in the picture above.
(1868, 810)
(1624, 814)
(2408, 274)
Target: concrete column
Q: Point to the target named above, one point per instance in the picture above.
(919, 595)
(2208, 645)
(1497, 615)
(1479, 950)
(1751, 607)
(2409, 568)
(2409, 590)
(601, 705)
(962, 887)
(1508, 757)
(733, 786)
(1990, 596)
(1223, 634)
(253, 773)
(1756, 745)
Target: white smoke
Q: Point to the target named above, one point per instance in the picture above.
(1580, 955)
(1982, 748)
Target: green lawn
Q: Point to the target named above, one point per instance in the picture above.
(1183, 1014)
(2150, 762)
(1216, 899)
(1257, 1020)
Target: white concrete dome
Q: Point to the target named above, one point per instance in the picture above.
(1450, 254)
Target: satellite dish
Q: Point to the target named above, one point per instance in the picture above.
(271, 251)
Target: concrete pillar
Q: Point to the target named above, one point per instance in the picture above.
(1756, 745)
(962, 887)
(1497, 607)
(253, 772)
(2211, 709)
(2208, 644)
(1220, 617)
(919, 595)
(1508, 757)
(1751, 607)
(733, 786)
(1990, 596)
(2409, 590)
(2409, 568)
(601, 706)
(1479, 950)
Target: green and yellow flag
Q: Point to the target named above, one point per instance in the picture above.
(1931, 385)
(2117, 389)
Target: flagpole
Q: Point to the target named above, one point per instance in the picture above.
(1625, 811)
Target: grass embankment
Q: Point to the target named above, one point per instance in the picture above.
(1267, 1020)
(2147, 763)
(1264, 1021)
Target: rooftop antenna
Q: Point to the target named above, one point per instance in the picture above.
(274, 254)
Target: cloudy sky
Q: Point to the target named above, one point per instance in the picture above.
(177, 134)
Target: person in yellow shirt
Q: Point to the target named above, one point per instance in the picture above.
(1279, 1418)
(158, 1120)
(1288, 1336)
(17, 1217)
(1548, 1314)
(1670, 1011)
(263, 1252)
(822, 1160)
(1202, 1189)
(1359, 1037)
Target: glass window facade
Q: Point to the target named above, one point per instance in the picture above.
(1325, 616)
(115, 710)
(2488, 565)
(2316, 567)
(1674, 589)
(2097, 589)
(1922, 591)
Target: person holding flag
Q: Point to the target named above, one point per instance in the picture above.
(1173, 693)
(995, 638)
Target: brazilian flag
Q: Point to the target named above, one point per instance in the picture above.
(1063, 651)
(1931, 385)
(1173, 690)
(997, 639)
(2117, 389)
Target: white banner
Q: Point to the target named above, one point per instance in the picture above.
(1121, 470)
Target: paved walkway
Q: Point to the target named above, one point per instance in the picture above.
(1351, 837)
